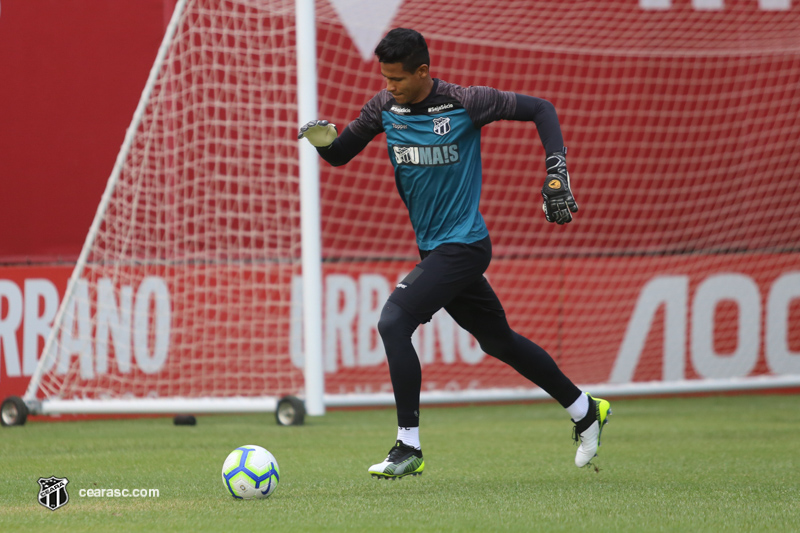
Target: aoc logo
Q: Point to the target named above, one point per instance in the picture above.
(426, 156)
(715, 5)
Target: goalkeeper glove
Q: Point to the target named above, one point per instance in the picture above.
(558, 202)
(320, 133)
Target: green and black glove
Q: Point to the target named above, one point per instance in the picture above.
(320, 133)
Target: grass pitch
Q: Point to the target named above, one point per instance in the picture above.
(685, 464)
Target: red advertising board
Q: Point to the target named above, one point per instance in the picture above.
(674, 318)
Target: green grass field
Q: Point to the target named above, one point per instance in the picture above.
(685, 464)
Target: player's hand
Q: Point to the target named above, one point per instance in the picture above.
(320, 133)
(558, 203)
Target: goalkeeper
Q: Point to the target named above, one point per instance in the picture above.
(433, 131)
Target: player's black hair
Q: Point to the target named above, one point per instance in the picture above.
(402, 45)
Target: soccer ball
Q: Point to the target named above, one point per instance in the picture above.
(250, 472)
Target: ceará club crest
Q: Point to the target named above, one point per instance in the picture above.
(441, 125)
(53, 492)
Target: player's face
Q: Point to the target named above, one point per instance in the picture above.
(406, 87)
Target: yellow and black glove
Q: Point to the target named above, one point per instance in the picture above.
(558, 203)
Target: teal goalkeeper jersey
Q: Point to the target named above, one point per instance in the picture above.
(435, 148)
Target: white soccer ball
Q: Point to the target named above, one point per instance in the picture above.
(250, 472)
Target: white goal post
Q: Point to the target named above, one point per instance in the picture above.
(226, 269)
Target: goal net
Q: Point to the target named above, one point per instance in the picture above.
(184, 287)
(680, 272)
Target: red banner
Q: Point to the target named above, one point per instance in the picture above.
(169, 333)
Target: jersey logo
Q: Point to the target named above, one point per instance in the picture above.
(426, 156)
(441, 125)
(439, 108)
(406, 155)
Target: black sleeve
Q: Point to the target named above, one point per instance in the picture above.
(344, 148)
(543, 114)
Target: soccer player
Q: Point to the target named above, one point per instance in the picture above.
(433, 131)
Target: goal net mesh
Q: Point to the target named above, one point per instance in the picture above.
(684, 148)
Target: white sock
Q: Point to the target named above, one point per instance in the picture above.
(579, 408)
(409, 436)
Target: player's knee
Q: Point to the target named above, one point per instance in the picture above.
(395, 324)
(499, 344)
(387, 323)
(500, 348)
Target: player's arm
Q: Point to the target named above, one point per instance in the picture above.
(486, 104)
(334, 148)
(339, 149)
(558, 203)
